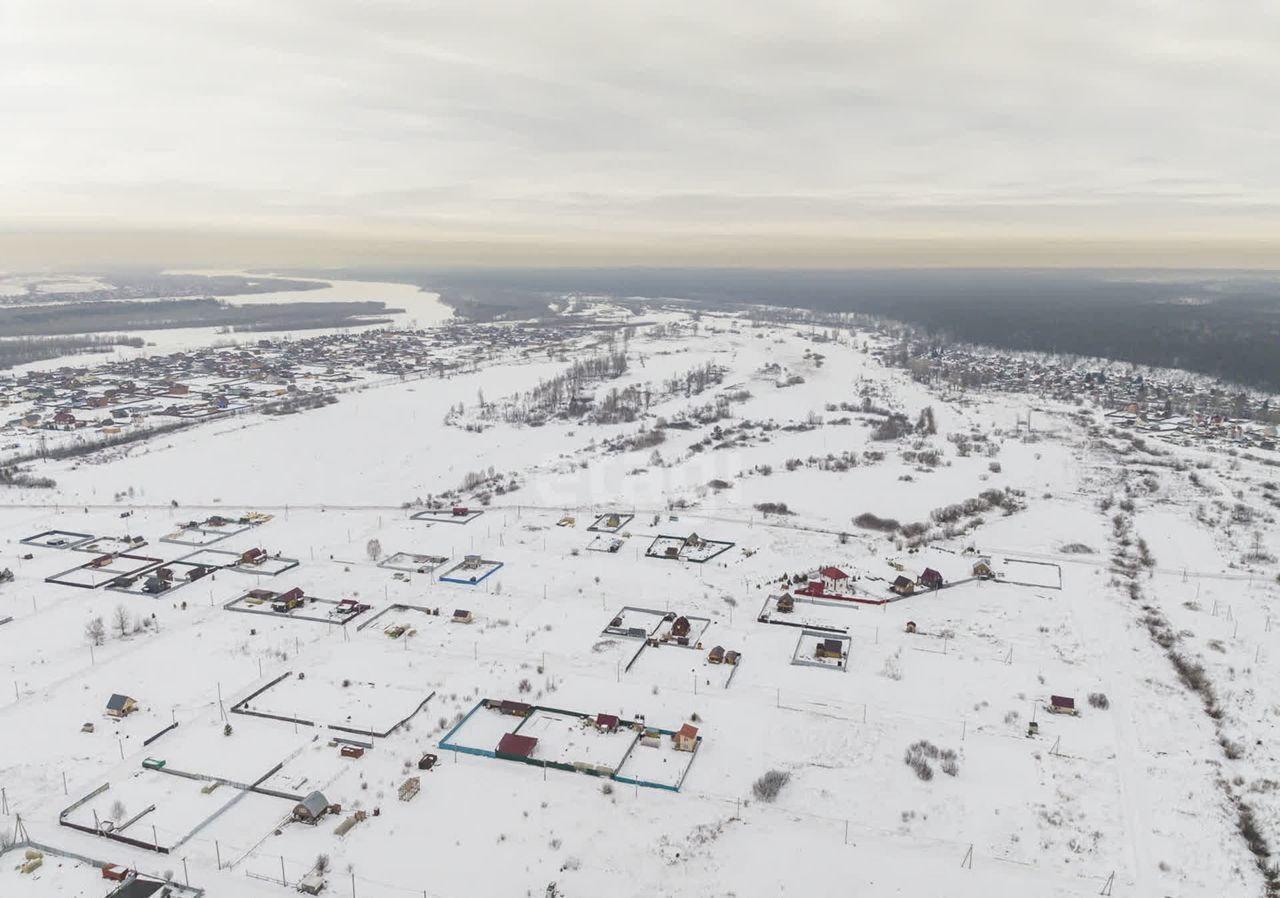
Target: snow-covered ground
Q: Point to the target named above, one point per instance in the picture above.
(1141, 789)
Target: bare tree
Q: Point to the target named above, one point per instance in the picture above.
(95, 631)
(374, 549)
(120, 619)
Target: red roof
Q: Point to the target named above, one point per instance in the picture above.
(608, 721)
(688, 731)
(515, 744)
(833, 573)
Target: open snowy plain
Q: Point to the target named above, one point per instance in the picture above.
(1117, 571)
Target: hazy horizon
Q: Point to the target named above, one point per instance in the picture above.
(820, 134)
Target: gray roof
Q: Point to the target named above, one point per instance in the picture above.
(314, 804)
(117, 702)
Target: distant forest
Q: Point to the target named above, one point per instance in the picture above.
(99, 317)
(156, 285)
(1225, 324)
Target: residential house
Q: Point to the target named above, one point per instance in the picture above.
(119, 706)
(931, 579)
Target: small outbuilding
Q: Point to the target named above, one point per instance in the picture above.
(716, 655)
(311, 808)
(982, 569)
(1062, 704)
(607, 723)
(462, 616)
(686, 738)
(120, 706)
(903, 586)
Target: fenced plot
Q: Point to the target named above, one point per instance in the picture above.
(214, 558)
(457, 515)
(657, 763)
(570, 740)
(623, 750)
(275, 604)
(265, 565)
(154, 582)
(692, 548)
(665, 547)
(212, 530)
(1024, 572)
(471, 571)
(360, 707)
(412, 563)
(604, 544)
(611, 522)
(57, 539)
(820, 648)
(152, 810)
(196, 537)
(635, 623)
(480, 731)
(395, 621)
(105, 569)
(111, 545)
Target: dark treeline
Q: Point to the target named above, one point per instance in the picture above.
(76, 318)
(152, 285)
(21, 350)
(1226, 324)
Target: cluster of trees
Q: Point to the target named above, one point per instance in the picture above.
(561, 396)
(21, 350)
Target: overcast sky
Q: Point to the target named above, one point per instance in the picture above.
(591, 130)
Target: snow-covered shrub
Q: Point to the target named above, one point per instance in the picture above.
(767, 787)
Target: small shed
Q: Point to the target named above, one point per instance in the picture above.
(732, 657)
(311, 808)
(312, 884)
(352, 751)
(911, 626)
(515, 709)
(1062, 704)
(607, 722)
(461, 616)
(716, 655)
(686, 738)
(409, 788)
(982, 569)
(121, 706)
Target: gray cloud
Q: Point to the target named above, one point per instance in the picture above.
(652, 123)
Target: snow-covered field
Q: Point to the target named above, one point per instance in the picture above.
(1139, 787)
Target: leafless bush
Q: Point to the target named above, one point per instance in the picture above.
(767, 787)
